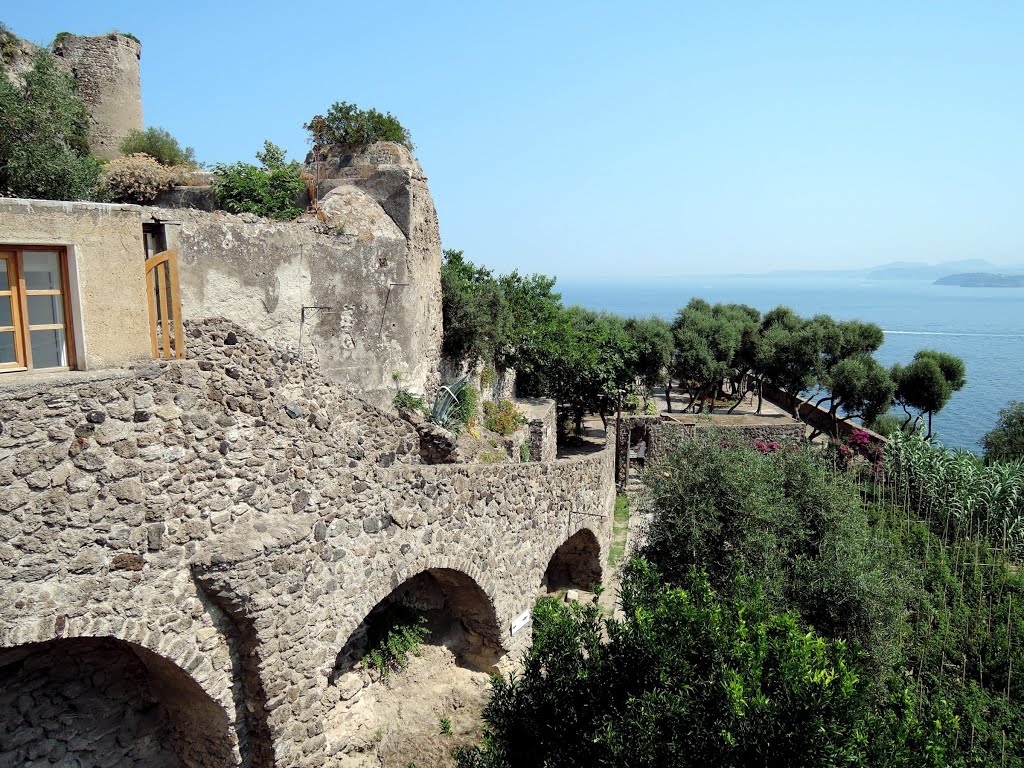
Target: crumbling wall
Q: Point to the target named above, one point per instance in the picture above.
(360, 290)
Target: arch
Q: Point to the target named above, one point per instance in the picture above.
(105, 701)
(576, 564)
(458, 613)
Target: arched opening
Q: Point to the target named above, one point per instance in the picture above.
(574, 565)
(432, 702)
(454, 610)
(101, 701)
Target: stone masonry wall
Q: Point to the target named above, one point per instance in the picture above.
(664, 435)
(106, 69)
(234, 518)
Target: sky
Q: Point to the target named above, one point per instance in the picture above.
(626, 141)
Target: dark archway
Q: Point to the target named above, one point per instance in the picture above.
(101, 701)
(576, 564)
(458, 614)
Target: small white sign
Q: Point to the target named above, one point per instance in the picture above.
(520, 621)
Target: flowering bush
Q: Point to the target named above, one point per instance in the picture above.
(767, 447)
(136, 178)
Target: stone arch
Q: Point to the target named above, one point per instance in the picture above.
(459, 613)
(106, 701)
(576, 564)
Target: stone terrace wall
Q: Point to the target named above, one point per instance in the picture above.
(233, 518)
(665, 434)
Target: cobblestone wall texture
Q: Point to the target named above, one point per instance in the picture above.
(230, 520)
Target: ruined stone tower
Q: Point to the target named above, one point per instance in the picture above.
(106, 68)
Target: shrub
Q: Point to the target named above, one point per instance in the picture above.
(524, 450)
(1005, 441)
(160, 145)
(44, 131)
(407, 401)
(398, 632)
(503, 417)
(348, 125)
(270, 189)
(788, 522)
(136, 178)
(687, 677)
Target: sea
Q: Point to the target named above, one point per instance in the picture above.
(983, 326)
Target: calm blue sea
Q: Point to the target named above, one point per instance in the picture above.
(984, 326)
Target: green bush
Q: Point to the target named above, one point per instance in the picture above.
(348, 125)
(392, 636)
(524, 450)
(789, 523)
(687, 677)
(407, 401)
(269, 189)
(1005, 441)
(160, 145)
(44, 136)
(503, 417)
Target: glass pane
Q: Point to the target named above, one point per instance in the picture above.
(48, 349)
(5, 281)
(7, 353)
(45, 310)
(5, 311)
(42, 270)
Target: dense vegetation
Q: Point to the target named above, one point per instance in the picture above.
(44, 132)
(1005, 441)
(591, 361)
(783, 613)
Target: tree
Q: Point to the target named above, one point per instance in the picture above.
(707, 340)
(927, 383)
(787, 353)
(473, 310)
(652, 345)
(1005, 441)
(44, 136)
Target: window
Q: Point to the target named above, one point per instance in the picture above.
(34, 309)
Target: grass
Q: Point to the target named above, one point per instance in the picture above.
(620, 527)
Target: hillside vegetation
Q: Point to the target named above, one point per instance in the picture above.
(784, 612)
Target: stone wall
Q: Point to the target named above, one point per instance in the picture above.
(106, 265)
(106, 69)
(664, 434)
(233, 519)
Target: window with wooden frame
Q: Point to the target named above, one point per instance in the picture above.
(34, 309)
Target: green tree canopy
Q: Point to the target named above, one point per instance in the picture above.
(927, 383)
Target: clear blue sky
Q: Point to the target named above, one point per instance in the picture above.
(614, 140)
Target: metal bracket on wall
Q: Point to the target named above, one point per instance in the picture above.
(387, 299)
(311, 310)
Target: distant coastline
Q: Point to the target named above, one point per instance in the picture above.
(982, 280)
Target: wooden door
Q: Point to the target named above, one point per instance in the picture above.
(166, 333)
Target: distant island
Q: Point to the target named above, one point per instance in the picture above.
(982, 280)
